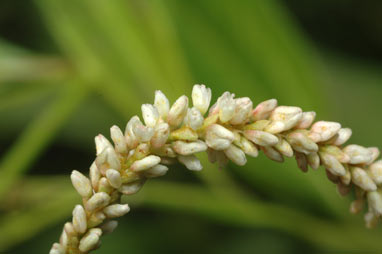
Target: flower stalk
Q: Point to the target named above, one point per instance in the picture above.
(232, 130)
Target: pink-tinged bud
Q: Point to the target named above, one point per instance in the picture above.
(263, 110)
(374, 199)
(284, 148)
(236, 155)
(302, 161)
(226, 104)
(301, 142)
(218, 137)
(118, 139)
(343, 135)
(150, 115)
(178, 111)
(284, 118)
(101, 143)
(161, 133)
(184, 148)
(332, 164)
(194, 119)
(162, 105)
(375, 172)
(361, 179)
(306, 120)
(156, 171)
(201, 98)
(313, 160)
(145, 163)
(242, 111)
(272, 153)
(374, 154)
(81, 183)
(261, 138)
(191, 162)
(358, 154)
(323, 131)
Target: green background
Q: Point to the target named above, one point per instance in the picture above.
(70, 69)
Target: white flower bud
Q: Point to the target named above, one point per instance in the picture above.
(94, 175)
(131, 140)
(150, 114)
(116, 210)
(306, 120)
(301, 142)
(272, 153)
(242, 110)
(313, 160)
(374, 154)
(336, 152)
(194, 119)
(156, 171)
(332, 164)
(375, 172)
(81, 183)
(236, 155)
(178, 111)
(96, 218)
(358, 154)
(201, 98)
(162, 104)
(145, 163)
(161, 133)
(89, 242)
(57, 249)
(226, 104)
(302, 162)
(184, 148)
(288, 116)
(107, 159)
(261, 138)
(346, 179)
(374, 199)
(114, 178)
(101, 143)
(248, 147)
(109, 226)
(143, 133)
(218, 137)
(191, 162)
(371, 220)
(69, 229)
(284, 147)
(361, 179)
(79, 219)
(131, 188)
(343, 135)
(323, 131)
(98, 200)
(264, 110)
(118, 139)
(64, 238)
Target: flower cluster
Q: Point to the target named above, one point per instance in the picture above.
(232, 130)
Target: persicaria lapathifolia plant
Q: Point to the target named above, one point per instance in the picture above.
(232, 130)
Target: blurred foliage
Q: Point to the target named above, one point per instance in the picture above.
(89, 64)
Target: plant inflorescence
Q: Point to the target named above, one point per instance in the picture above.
(232, 130)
